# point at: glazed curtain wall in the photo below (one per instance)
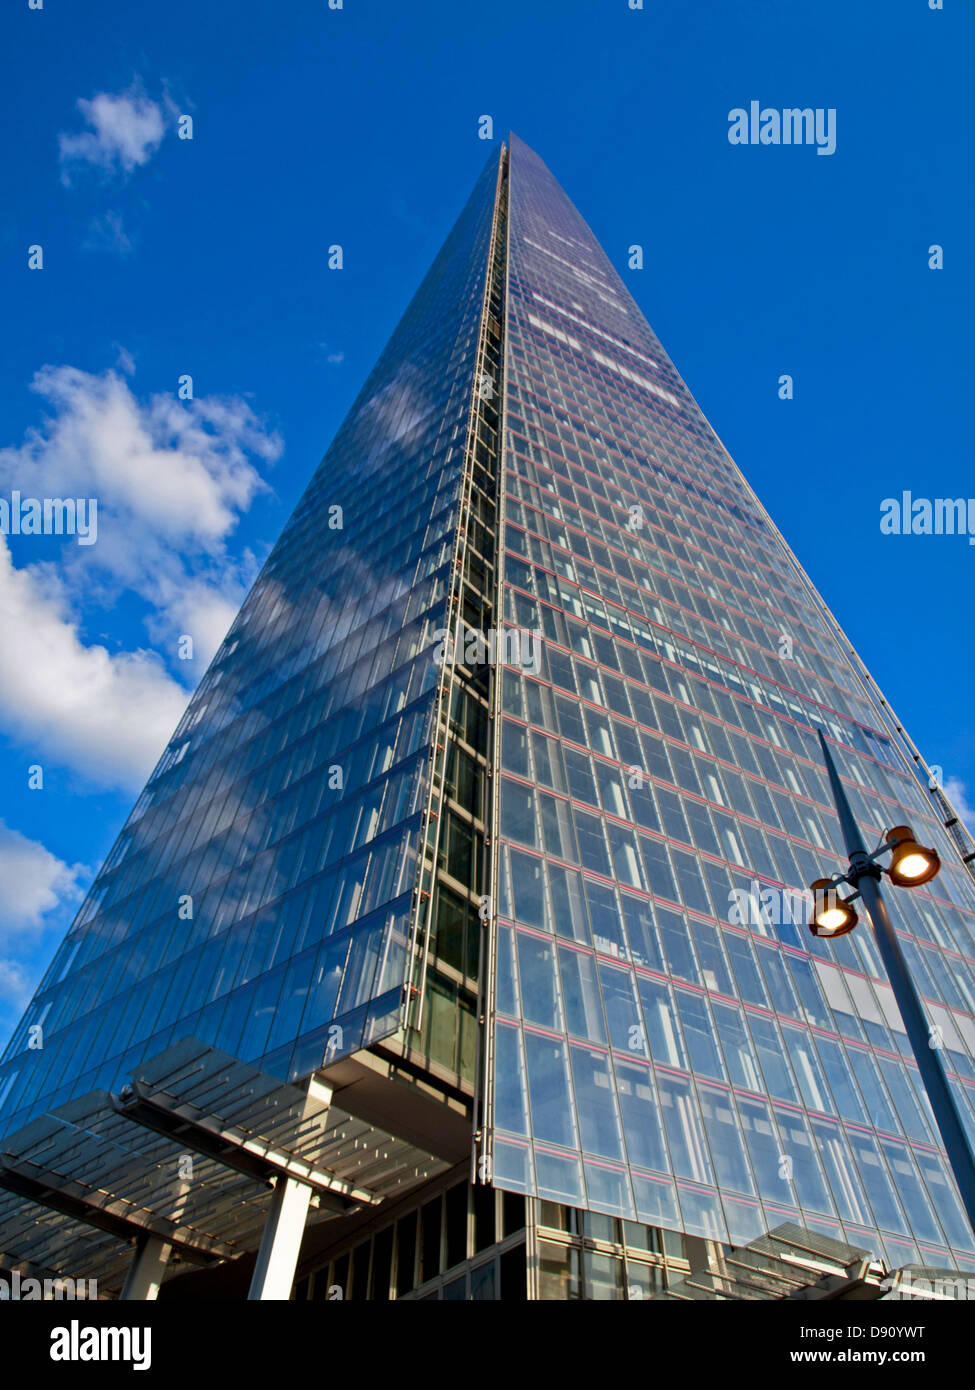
(656, 1056)
(285, 810)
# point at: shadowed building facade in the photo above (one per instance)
(459, 926)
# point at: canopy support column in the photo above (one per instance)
(277, 1257)
(147, 1269)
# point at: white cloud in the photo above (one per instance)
(957, 793)
(106, 233)
(108, 717)
(125, 130)
(171, 479)
(16, 988)
(200, 609)
(180, 467)
(40, 894)
(35, 882)
(333, 356)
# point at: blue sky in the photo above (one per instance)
(164, 257)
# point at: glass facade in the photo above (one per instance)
(457, 1241)
(670, 1045)
(564, 869)
(260, 896)
(453, 1241)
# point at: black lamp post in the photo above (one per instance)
(910, 865)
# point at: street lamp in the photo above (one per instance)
(832, 915)
(910, 864)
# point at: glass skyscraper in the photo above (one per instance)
(492, 814)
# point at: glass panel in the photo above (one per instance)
(685, 1133)
(596, 1103)
(725, 1138)
(559, 1271)
(604, 1277)
(548, 1084)
(456, 1208)
(405, 1253)
(484, 1282)
(430, 1227)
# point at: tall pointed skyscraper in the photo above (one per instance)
(466, 898)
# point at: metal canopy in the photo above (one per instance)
(110, 1178)
(239, 1116)
(795, 1263)
(33, 1239)
(188, 1152)
(788, 1263)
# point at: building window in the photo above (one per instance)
(430, 1227)
(456, 1225)
(559, 1272)
(405, 1253)
(382, 1258)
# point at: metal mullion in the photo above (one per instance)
(457, 578)
(484, 1072)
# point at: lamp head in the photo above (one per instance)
(831, 915)
(911, 864)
